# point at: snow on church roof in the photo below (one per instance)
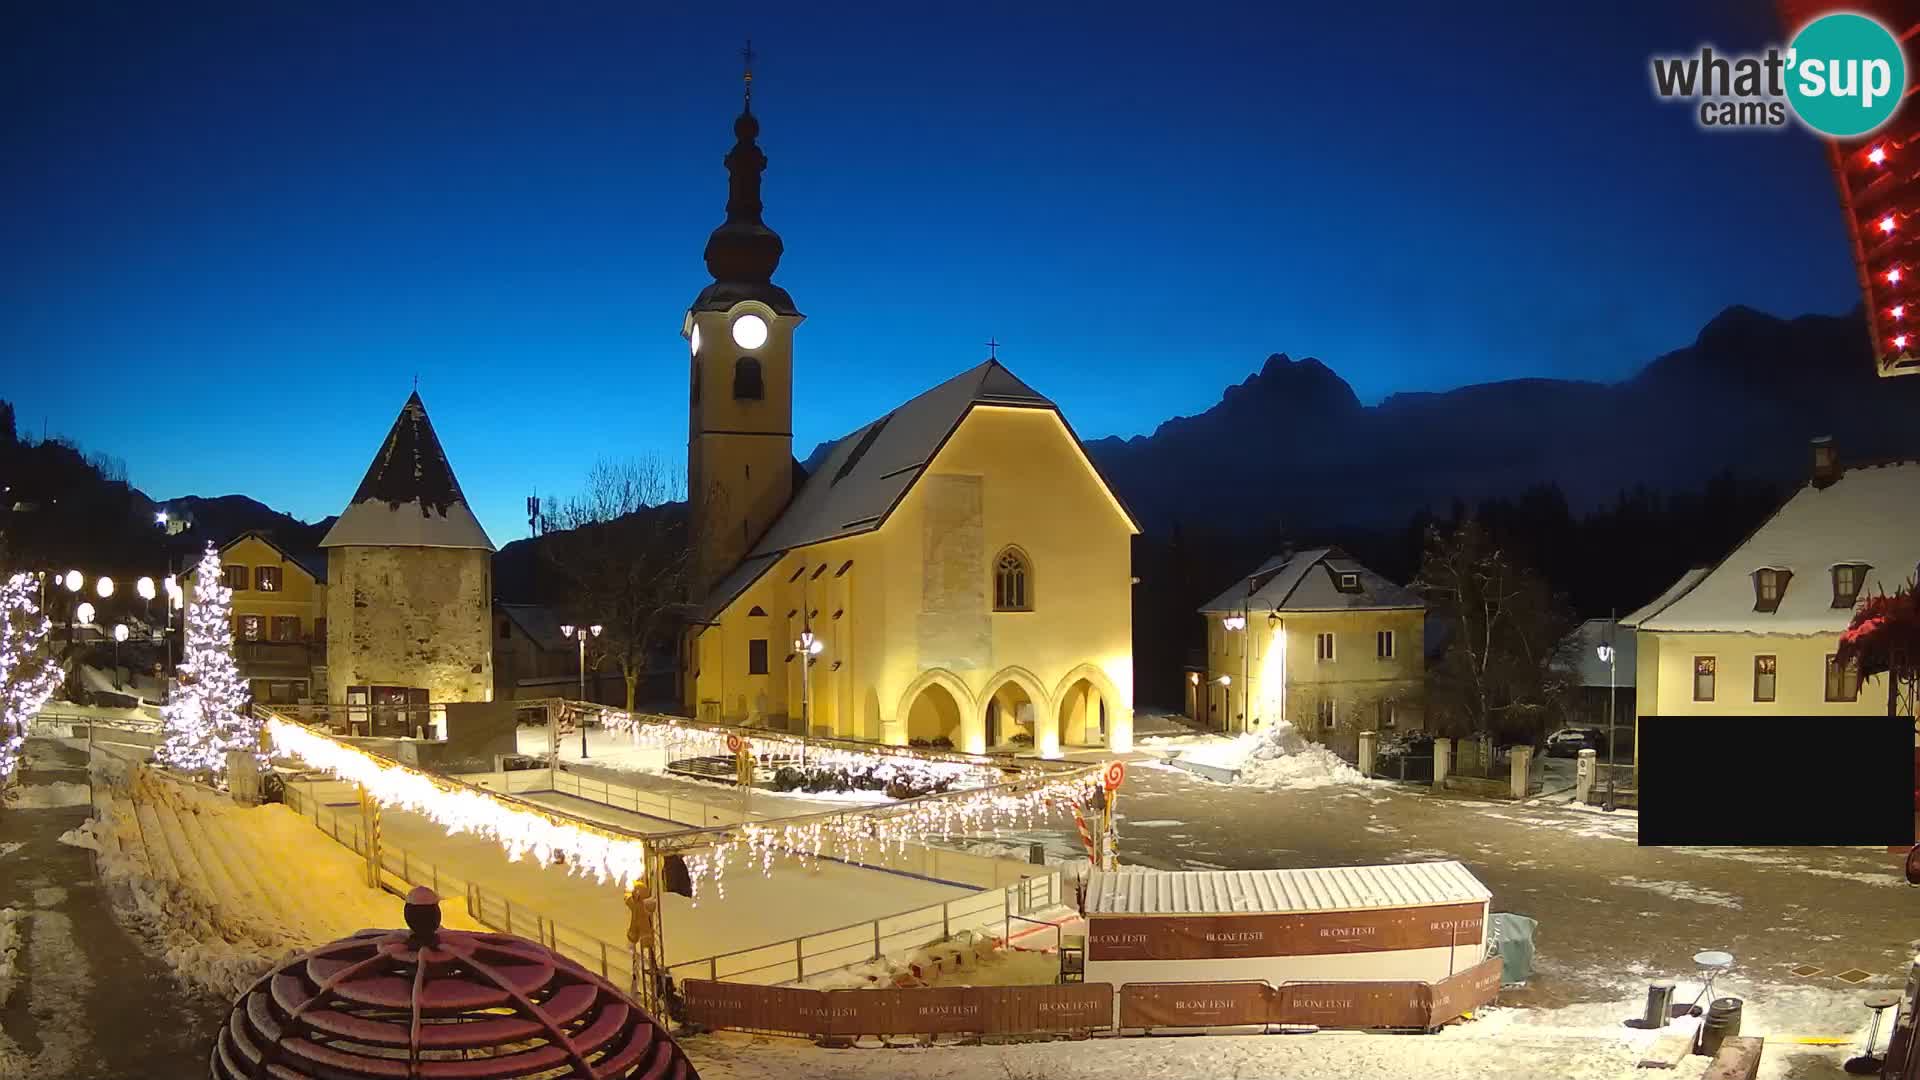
(1870, 515)
(867, 473)
(409, 497)
(1339, 888)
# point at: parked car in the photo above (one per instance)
(1569, 741)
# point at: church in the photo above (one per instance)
(954, 573)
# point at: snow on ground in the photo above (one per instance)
(969, 959)
(9, 951)
(620, 752)
(225, 891)
(1277, 757)
(44, 796)
(1681, 890)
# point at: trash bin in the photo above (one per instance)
(1511, 938)
(1722, 1023)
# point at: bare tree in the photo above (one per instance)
(620, 550)
(1507, 629)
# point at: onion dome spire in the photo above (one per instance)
(743, 252)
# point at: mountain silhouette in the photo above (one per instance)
(1293, 444)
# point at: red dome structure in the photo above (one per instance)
(439, 1004)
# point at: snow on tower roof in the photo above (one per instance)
(409, 497)
(1288, 583)
(1341, 888)
(867, 473)
(1869, 516)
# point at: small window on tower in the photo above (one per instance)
(746, 379)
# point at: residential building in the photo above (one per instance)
(1317, 639)
(533, 659)
(279, 617)
(410, 597)
(1756, 634)
(1597, 683)
(956, 571)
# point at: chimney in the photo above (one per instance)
(1826, 462)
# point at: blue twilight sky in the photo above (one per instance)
(232, 234)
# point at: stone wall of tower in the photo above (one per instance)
(410, 616)
(739, 448)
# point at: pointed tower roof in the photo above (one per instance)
(409, 497)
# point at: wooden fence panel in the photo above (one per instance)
(1464, 991)
(1219, 1004)
(1353, 1004)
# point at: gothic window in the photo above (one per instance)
(746, 379)
(1012, 581)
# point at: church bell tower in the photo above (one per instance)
(740, 468)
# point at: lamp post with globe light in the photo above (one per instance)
(1607, 657)
(580, 633)
(119, 635)
(808, 647)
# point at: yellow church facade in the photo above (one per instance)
(954, 573)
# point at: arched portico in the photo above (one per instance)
(1090, 710)
(1016, 700)
(942, 701)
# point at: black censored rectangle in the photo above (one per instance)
(1776, 781)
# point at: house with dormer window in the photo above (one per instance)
(1757, 633)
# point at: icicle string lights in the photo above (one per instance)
(459, 809)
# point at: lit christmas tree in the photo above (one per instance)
(207, 714)
(28, 674)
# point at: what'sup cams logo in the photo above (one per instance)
(1842, 75)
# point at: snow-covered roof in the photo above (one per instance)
(866, 474)
(539, 623)
(1869, 516)
(1309, 581)
(1340, 888)
(1673, 592)
(409, 497)
(1582, 658)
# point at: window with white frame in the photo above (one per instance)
(1383, 644)
(1323, 647)
(1328, 714)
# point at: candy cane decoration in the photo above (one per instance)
(1086, 835)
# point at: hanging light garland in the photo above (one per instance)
(517, 828)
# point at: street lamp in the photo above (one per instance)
(104, 587)
(580, 634)
(73, 581)
(85, 613)
(119, 635)
(1607, 657)
(808, 647)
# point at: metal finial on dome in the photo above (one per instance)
(422, 913)
(746, 63)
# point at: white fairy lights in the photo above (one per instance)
(519, 830)
(207, 713)
(28, 673)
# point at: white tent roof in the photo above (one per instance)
(1340, 888)
(1870, 515)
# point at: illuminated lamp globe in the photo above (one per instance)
(104, 587)
(693, 340)
(119, 631)
(84, 613)
(145, 588)
(430, 1002)
(1226, 680)
(73, 581)
(749, 331)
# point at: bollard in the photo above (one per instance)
(1583, 775)
(1521, 764)
(1442, 761)
(1367, 739)
(1659, 1005)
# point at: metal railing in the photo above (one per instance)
(798, 958)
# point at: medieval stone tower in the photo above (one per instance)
(410, 580)
(740, 467)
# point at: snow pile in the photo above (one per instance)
(968, 959)
(9, 951)
(46, 796)
(1277, 757)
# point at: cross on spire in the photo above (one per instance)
(993, 349)
(746, 63)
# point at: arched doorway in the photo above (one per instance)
(1083, 715)
(1011, 717)
(934, 716)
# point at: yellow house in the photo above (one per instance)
(1757, 633)
(955, 571)
(279, 618)
(1318, 639)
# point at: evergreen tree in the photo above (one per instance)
(207, 714)
(28, 673)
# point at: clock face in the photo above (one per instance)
(749, 331)
(695, 341)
